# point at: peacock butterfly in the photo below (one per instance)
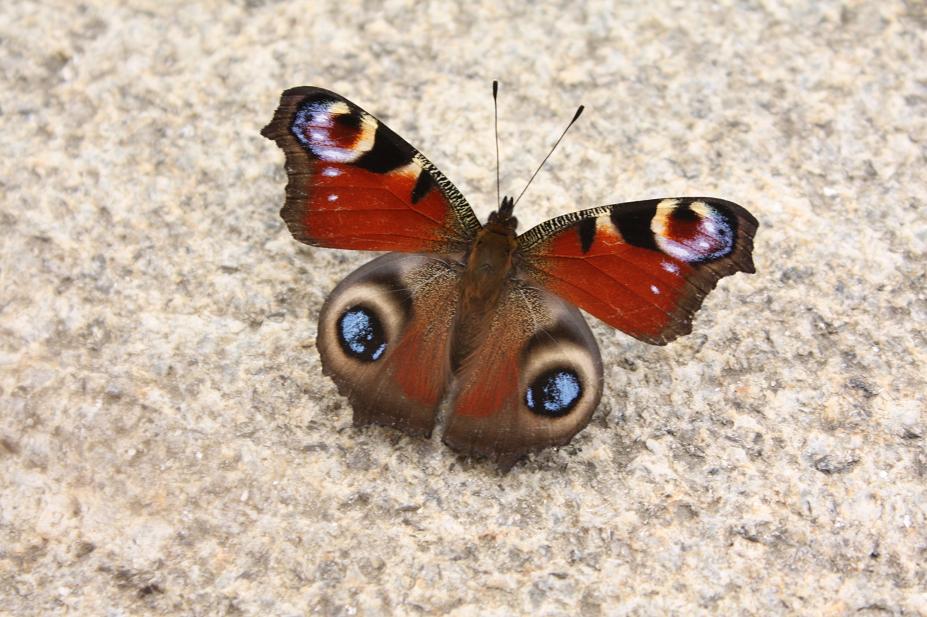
(478, 315)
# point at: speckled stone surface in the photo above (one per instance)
(168, 444)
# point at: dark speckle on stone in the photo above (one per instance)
(149, 589)
(831, 464)
(861, 385)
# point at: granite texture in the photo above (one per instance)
(168, 444)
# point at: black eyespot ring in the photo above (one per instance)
(361, 334)
(554, 393)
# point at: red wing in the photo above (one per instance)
(355, 184)
(643, 267)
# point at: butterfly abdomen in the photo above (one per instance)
(488, 269)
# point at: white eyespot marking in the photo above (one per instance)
(670, 267)
(338, 108)
(332, 197)
(411, 169)
(655, 290)
(321, 118)
(331, 172)
(702, 209)
(606, 233)
(694, 233)
(377, 301)
(334, 155)
(660, 221)
(574, 383)
(319, 129)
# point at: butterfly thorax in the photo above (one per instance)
(488, 270)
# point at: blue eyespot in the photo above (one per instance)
(554, 393)
(361, 334)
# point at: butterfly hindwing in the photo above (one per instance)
(532, 381)
(643, 267)
(355, 184)
(384, 338)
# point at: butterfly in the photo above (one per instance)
(479, 316)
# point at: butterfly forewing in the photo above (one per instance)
(355, 184)
(643, 267)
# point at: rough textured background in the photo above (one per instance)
(168, 444)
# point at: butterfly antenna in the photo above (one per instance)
(495, 111)
(557, 143)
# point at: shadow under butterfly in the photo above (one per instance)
(478, 315)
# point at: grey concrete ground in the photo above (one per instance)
(168, 444)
